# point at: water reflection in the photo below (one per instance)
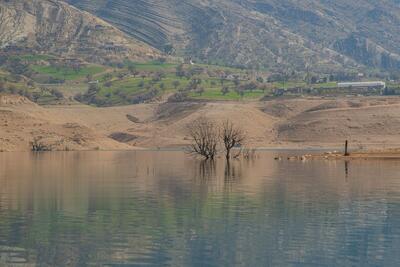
(346, 169)
(163, 208)
(206, 170)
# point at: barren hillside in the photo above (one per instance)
(362, 121)
(58, 28)
(275, 34)
(366, 122)
(22, 121)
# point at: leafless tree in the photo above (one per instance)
(231, 137)
(204, 135)
(38, 146)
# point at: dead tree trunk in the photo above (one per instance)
(231, 136)
(204, 135)
(346, 147)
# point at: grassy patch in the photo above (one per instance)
(133, 83)
(67, 73)
(129, 86)
(118, 89)
(154, 66)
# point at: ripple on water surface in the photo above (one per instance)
(166, 209)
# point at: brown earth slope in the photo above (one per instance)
(22, 121)
(58, 28)
(366, 122)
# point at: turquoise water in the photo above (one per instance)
(167, 209)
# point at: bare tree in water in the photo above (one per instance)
(231, 137)
(204, 135)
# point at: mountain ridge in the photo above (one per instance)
(56, 27)
(270, 34)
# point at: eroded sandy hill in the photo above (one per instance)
(58, 28)
(367, 122)
(22, 121)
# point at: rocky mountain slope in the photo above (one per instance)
(276, 34)
(59, 28)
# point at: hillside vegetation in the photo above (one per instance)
(51, 52)
(50, 79)
(47, 79)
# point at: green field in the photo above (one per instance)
(66, 73)
(128, 87)
(116, 88)
(137, 82)
(154, 66)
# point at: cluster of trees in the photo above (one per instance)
(144, 97)
(16, 66)
(52, 80)
(343, 76)
(29, 91)
(154, 84)
(14, 90)
(37, 94)
(188, 73)
(92, 96)
(194, 85)
(208, 137)
(391, 90)
(179, 96)
(251, 86)
(60, 65)
(126, 63)
(239, 83)
(284, 76)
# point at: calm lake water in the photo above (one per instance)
(166, 209)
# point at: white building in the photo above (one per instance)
(362, 85)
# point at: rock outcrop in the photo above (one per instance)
(59, 28)
(274, 34)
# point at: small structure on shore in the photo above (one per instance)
(346, 149)
(363, 85)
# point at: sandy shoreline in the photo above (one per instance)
(290, 152)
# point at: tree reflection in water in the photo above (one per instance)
(166, 209)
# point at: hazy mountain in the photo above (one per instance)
(284, 34)
(59, 28)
